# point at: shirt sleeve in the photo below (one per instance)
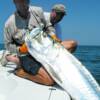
(49, 28)
(8, 41)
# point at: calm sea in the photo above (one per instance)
(89, 56)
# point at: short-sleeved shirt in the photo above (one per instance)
(57, 26)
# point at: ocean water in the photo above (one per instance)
(89, 56)
(1, 46)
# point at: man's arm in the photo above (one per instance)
(50, 28)
(8, 41)
(11, 46)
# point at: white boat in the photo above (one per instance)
(16, 88)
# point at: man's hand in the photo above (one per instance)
(56, 38)
(23, 48)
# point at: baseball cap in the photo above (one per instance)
(59, 8)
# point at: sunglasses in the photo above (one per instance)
(60, 13)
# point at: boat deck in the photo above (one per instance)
(16, 88)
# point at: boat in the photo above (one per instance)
(13, 87)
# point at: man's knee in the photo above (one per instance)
(49, 82)
(73, 43)
(70, 45)
(47, 79)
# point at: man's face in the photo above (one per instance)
(56, 17)
(22, 6)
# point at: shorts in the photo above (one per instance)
(29, 64)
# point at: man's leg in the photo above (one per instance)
(42, 77)
(33, 70)
(70, 45)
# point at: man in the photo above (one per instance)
(53, 18)
(22, 21)
(23, 49)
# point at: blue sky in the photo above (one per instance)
(82, 22)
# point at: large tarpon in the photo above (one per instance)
(63, 67)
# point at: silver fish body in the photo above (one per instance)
(63, 67)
